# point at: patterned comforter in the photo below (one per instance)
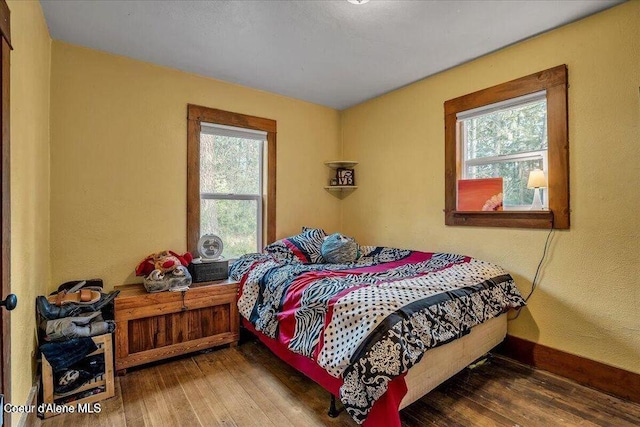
(370, 321)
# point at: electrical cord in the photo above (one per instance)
(534, 283)
(544, 255)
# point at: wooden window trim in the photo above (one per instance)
(5, 23)
(555, 82)
(195, 116)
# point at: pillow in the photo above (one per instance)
(339, 249)
(305, 247)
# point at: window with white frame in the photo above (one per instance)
(231, 186)
(494, 139)
(506, 140)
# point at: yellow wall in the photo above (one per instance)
(30, 267)
(118, 159)
(118, 132)
(589, 294)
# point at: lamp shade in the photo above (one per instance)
(537, 179)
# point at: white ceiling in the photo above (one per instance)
(332, 53)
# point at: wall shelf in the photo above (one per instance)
(340, 187)
(346, 164)
(341, 191)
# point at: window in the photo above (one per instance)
(507, 140)
(231, 186)
(229, 193)
(505, 132)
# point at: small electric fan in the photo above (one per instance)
(210, 247)
(210, 266)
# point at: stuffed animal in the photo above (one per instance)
(164, 271)
(165, 262)
(339, 249)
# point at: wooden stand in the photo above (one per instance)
(157, 326)
(106, 380)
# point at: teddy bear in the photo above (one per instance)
(165, 270)
(165, 262)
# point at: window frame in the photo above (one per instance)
(196, 115)
(555, 82)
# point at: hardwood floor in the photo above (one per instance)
(248, 386)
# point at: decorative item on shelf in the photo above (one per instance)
(210, 266)
(537, 180)
(483, 194)
(343, 183)
(345, 176)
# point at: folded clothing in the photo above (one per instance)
(63, 354)
(85, 325)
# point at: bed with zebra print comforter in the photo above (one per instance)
(370, 321)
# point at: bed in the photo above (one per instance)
(378, 333)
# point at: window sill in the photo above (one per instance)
(511, 219)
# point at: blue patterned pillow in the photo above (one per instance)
(305, 247)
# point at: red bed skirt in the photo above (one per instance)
(385, 411)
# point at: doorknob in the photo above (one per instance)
(10, 302)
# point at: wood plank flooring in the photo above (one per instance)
(248, 386)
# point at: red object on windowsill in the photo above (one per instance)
(480, 194)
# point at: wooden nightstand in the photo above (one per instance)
(151, 327)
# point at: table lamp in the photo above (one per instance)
(537, 181)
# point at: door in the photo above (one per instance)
(8, 300)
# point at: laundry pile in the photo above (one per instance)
(68, 319)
